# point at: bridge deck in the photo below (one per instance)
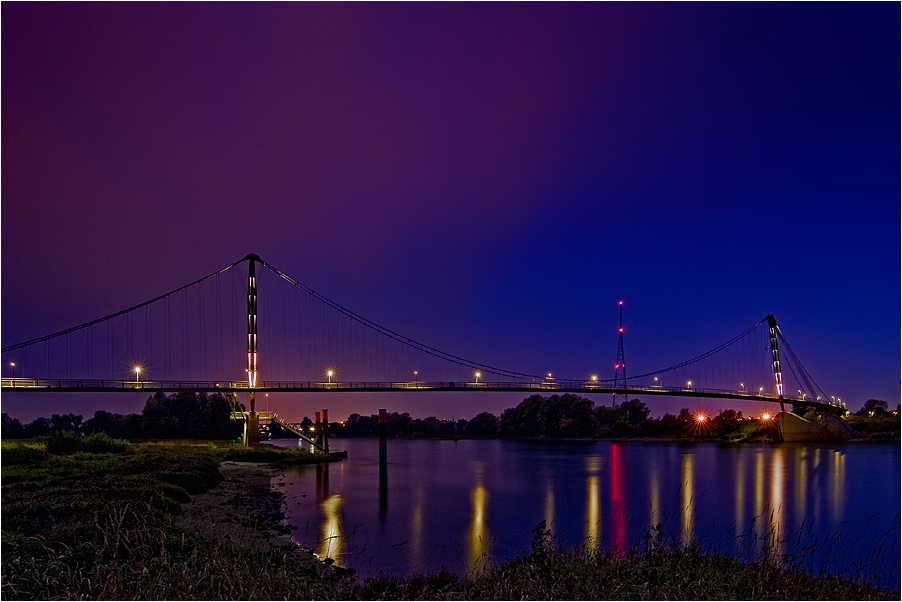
(169, 386)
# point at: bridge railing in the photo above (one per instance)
(38, 384)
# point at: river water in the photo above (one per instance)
(462, 505)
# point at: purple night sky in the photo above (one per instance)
(488, 179)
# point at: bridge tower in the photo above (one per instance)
(253, 432)
(775, 351)
(620, 366)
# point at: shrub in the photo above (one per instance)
(64, 443)
(21, 452)
(101, 443)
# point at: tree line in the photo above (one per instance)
(558, 416)
(183, 415)
(189, 415)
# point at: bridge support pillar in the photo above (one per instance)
(317, 432)
(383, 439)
(326, 431)
(383, 464)
(252, 429)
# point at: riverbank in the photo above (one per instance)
(244, 511)
(179, 521)
(101, 518)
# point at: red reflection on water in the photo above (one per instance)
(618, 507)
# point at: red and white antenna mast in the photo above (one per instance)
(620, 366)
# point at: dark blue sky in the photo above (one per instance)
(489, 179)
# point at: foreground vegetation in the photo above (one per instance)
(91, 517)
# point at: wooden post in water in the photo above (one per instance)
(317, 433)
(383, 438)
(325, 430)
(383, 464)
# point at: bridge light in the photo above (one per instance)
(594, 378)
(765, 416)
(329, 375)
(478, 374)
(760, 390)
(137, 370)
(690, 384)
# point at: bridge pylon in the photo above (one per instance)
(253, 433)
(775, 352)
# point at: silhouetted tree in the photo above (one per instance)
(877, 406)
(38, 427)
(557, 416)
(106, 422)
(65, 422)
(11, 428)
(189, 415)
(633, 411)
(482, 425)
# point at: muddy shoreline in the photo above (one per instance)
(245, 511)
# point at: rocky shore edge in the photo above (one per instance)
(244, 511)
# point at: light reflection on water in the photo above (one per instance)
(462, 504)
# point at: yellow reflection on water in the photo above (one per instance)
(549, 505)
(837, 484)
(478, 535)
(776, 501)
(687, 501)
(740, 494)
(592, 521)
(416, 528)
(655, 498)
(593, 527)
(759, 485)
(801, 480)
(330, 545)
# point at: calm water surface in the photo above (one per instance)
(459, 505)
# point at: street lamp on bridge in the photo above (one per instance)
(137, 370)
(13, 366)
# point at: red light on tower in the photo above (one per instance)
(621, 330)
(621, 303)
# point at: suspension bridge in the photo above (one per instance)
(209, 335)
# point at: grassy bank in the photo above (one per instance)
(92, 517)
(95, 520)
